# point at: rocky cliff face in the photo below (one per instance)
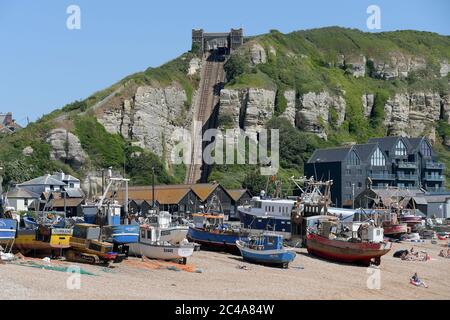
(248, 108)
(66, 147)
(150, 117)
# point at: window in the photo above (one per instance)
(348, 171)
(425, 149)
(359, 172)
(378, 159)
(71, 185)
(353, 159)
(25, 201)
(400, 149)
(359, 184)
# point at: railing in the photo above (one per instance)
(382, 176)
(434, 177)
(436, 190)
(404, 176)
(434, 165)
(407, 165)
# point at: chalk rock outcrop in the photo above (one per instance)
(27, 151)
(66, 147)
(290, 111)
(150, 117)
(194, 66)
(397, 66)
(368, 100)
(413, 114)
(257, 54)
(445, 68)
(314, 112)
(254, 106)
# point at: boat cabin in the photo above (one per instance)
(271, 207)
(266, 242)
(203, 221)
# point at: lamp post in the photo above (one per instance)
(353, 196)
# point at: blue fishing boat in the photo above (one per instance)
(266, 249)
(210, 231)
(123, 234)
(265, 213)
(8, 229)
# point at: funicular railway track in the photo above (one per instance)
(212, 76)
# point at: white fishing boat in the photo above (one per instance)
(151, 246)
(171, 233)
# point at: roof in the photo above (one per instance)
(21, 193)
(365, 151)
(330, 155)
(44, 180)
(64, 177)
(437, 198)
(163, 194)
(74, 193)
(387, 143)
(237, 194)
(70, 202)
(204, 190)
(420, 200)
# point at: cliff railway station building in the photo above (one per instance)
(383, 163)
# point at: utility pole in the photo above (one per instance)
(153, 188)
(353, 196)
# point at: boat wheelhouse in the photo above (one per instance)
(267, 214)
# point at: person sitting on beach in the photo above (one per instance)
(442, 254)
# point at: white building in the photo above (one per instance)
(21, 199)
(42, 184)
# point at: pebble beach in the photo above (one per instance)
(222, 276)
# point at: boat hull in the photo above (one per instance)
(8, 229)
(395, 230)
(280, 257)
(255, 223)
(162, 252)
(124, 234)
(222, 241)
(344, 251)
(174, 235)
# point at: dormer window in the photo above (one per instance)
(400, 149)
(378, 159)
(425, 149)
(353, 159)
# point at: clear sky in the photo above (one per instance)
(44, 65)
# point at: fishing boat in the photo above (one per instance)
(266, 249)
(210, 231)
(265, 213)
(353, 242)
(107, 214)
(170, 232)
(151, 246)
(410, 219)
(86, 246)
(8, 230)
(43, 239)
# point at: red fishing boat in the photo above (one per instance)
(392, 228)
(360, 243)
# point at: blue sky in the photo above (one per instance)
(43, 65)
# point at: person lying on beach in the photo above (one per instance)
(416, 281)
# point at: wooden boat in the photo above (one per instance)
(210, 231)
(266, 249)
(363, 243)
(44, 238)
(151, 246)
(85, 246)
(391, 226)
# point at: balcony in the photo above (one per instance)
(436, 190)
(407, 165)
(434, 177)
(405, 176)
(382, 176)
(434, 165)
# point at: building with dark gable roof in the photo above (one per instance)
(408, 163)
